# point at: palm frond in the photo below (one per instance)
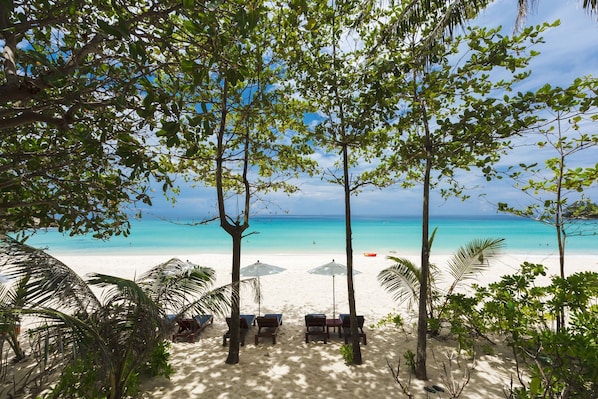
(121, 290)
(128, 314)
(216, 301)
(471, 259)
(175, 284)
(50, 282)
(65, 331)
(6, 295)
(431, 239)
(401, 279)
(436, 19)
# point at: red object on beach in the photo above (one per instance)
(370, 254)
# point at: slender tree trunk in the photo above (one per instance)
(10, 47)
(422, 321)
(356, 348)
(560, 233)
(357, 359)
(233, 350)
(235, 231)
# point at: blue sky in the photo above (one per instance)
(570, 51)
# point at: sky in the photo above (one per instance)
(570, 51)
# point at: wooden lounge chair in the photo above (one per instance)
(315, 325)
(189, 329)
(346, 320)
(246, 321)
(268, 326)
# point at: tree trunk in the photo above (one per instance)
(233, 349)
(560, 234)
(422, 321)
(357, 359)
(9, 63)
(234, 230)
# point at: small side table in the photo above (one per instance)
(333, 323)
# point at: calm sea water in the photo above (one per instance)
(317, 234)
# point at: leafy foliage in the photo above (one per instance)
(564, 130)
(581, 210)
(550, 363)
(106, 343)
(79, 95)
(241, 129)
(327, 75)
(347, 353)
(158, 361)
(12, 297)
(403, 278)
(448, 112)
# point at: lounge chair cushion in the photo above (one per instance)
(346, 325)
(189, 329)
(246, 321)
(315, 325)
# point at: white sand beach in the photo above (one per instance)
(292, 368)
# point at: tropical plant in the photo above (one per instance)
(550, 364)
(183, 289)
(107, 342)
(78, 98)
(13, 295)
(347, 353)
(325, 62)
(242, 129)
(565, 133)
(403, 278)
(443, 107)
(569, 170)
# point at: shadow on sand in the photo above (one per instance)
(292, 368)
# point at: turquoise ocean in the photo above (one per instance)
(400, 235)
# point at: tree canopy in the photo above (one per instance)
(78, 98)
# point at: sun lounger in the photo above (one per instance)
(246, 321)
(203, 321)
(268, 326)
(315, 325)
(346, 324)
(189, 329)
(277, 315)
(249, 319)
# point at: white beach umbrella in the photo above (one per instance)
(332, 269)
(259, 269)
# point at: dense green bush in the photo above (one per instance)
(550, 363)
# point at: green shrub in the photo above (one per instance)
(561, 363)
(347, 353)
(409, 357)
(394, 319)
(79, 379)
(158, 361)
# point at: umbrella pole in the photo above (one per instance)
(259, 298)
(333, 299)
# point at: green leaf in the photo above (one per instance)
(109, 29)
(188, 66)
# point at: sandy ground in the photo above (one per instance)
(292, 368)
